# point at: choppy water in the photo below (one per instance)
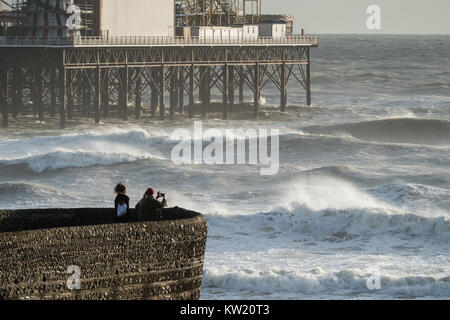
(364, 178)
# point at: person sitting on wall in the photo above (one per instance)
(150, 207)
(121, 203)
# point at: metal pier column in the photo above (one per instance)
(162, 96)
(105, 93)
(241, 85)
(191, 91)
(38, 93)
(154, 91)
(63, 97)
(225, 91)
(180, 91)
(126, 93)
(17, 92)
(308, 78)
(138, 94)
(4, 95)
(69, 92)
(256, 92)
(231, 85)
(98, 93)
(173, 92)
(52, 91)
(202, 89)
(208, 87)
(283, 99)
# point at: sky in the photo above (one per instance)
(349, 16)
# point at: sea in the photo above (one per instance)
(358, 209)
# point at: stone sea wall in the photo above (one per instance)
(134, 260)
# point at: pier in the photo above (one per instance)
(90, 75)
(122, 59)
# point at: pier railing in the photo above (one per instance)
(157, 41)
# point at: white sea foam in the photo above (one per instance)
(84, 149)
(317, 282)
(61, 159)
(327, 208)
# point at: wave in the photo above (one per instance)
(330, 209)
(23, 189)
(109, 138)
(413, 195)
(346, 224)
(317, 282)
(84, 150)
(345, 172)
(73, 159)
(415, 131)
(32, 195)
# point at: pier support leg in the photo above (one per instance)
(98, 93)
(173, 92)
(4, 96)
(17, 92)
(124, 93)
(201, 85)
(62, 109)
(225, 91)
(241, 85)
(120, 93)
(308, 78)
(138, 94)
(208, 88)
(38, 94)
(154, 91)
(257, 92)
(283, 96)
(162, 96)
(69, 92)
(86, 96)
(52, 91)
(204, 72)
(180, 91)
(231, 86)
(105, 93)
(191, 91)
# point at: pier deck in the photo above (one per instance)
(89, 75)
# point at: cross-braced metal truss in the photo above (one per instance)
(94, 81)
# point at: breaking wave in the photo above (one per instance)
(332, 209)
(415, 131)
(10, 190)
(84, 150)
(338, 224)
(73, 159)
(317, 282)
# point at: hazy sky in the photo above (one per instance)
(349, 16)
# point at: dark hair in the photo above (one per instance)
(120, 188)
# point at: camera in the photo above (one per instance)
(160, 194)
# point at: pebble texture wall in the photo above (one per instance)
(134, 260)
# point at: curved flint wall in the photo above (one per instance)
(136, 260)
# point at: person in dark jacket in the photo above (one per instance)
(122, 200)
(149, 207)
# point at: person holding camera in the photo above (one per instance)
(149, 206)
